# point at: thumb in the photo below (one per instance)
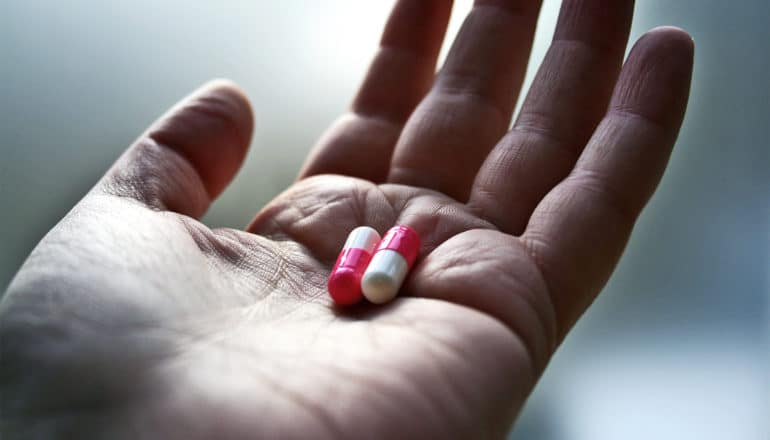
(187, 157)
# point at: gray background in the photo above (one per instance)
(677, 345)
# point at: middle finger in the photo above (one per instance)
(567, 100)
(469, 107)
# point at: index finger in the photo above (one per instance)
(360, 143)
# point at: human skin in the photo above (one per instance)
(131, 319)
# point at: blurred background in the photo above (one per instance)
(678, 344)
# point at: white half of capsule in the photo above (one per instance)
(384, 276)
(362, 237)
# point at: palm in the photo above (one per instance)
(150, 323)
(404, 369)
(224, 339)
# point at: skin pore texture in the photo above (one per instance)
(131, 319)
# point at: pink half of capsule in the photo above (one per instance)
(345, 279)
(390, 264)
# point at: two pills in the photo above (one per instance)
(371, 267)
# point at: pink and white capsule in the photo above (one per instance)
(345, 279)
(391, 262)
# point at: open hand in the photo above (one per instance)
(132, 319)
